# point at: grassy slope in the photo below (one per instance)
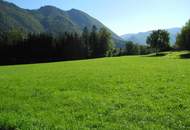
(109, 93)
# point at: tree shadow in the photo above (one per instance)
(7, 127)
(185, 56)
(157, 55)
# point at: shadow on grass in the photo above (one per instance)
(185, 56)
(158, 55)
(7, 127)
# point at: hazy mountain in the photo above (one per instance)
(46, 19)
(140, 37)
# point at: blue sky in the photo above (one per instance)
(124, 16)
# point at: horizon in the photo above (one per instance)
(175, 13)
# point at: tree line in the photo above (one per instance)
(17, 47)
(183, 38)
(158, 41)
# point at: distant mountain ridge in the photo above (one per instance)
(47, 19)
(140, 37)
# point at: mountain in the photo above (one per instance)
(47, 19)
(140, 37)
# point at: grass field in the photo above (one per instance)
(135, 92)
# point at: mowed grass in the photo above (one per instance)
(135, 92)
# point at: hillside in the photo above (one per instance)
(47, 19)
(141, 36)
(142, 92)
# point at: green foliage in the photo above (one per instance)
(44, 47)
(93, 41)
(159, 40)
(131, 48)
(183, 38)
(105, 42)
(86, 42)
(12, 16)
(47, 19)
(100, 42)
(141, 37)
(135, 49)
(143, 50)
(105, 94)
(14, 36)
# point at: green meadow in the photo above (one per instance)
(130, 92)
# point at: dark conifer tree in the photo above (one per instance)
(86, 42)
(93, 42)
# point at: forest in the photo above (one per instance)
(18, 47)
